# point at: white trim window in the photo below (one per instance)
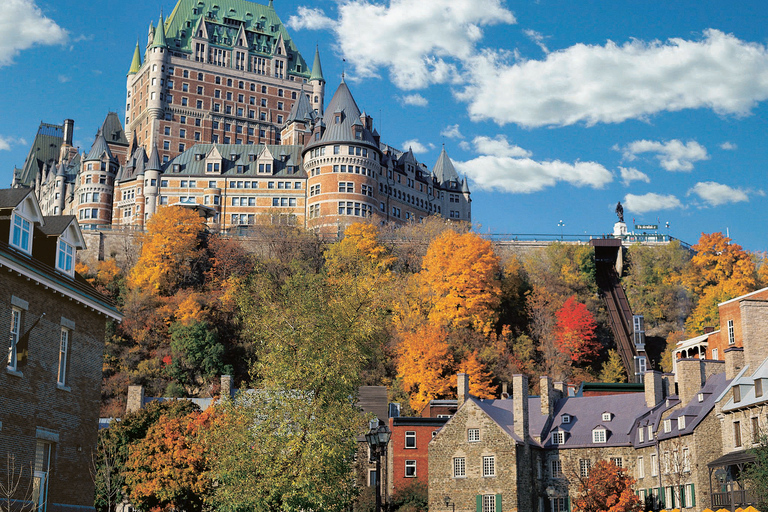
(459, 467)
(731, 333)
(654, 465)
(63, 357)
(585, 465)
(473, 435)
(489, 465)
(65, 258)
(640, 467)
(489, 503)
(598, 435)
(410, 439)
(558, 437)
(13, 356)
(21, 233)
(410, 469)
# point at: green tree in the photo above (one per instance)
(197, 354)
(613, 368)
(756, 474)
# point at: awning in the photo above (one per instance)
(731, 459)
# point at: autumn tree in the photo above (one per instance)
(425, 364)
(170, 251)
(608, 488)
(575, 332)
(460, 279)
(167, 470)
(613, 368)
(480, 380)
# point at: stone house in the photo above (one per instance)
(49, 387)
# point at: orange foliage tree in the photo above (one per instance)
(480, 379)
(167, 470)
(460, 280)
(575, 332)
(170, 249)
(425, 364)
(608, 488)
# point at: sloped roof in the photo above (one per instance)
(99, 148)
(153, 164)
(159, 40)
(301, 110)
(343, 105)
(113, 131)
(501, 412)
(444, 170)
(12, 197)
(136, 62)
(45, 150)
(317, 69)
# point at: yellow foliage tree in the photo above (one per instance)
(360, 244)
(460, 281)
(425, 364)
(170, 246)
(480, 379)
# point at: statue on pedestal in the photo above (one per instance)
(620, 211)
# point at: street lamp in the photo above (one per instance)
(449, 503)
(561, 224)
(378, 439)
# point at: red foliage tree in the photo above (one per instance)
(575, 332)
(608, 488)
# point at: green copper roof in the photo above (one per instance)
(222, 19)
(159, 41)
(136, 62)
(317, 69)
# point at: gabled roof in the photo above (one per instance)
(12, 197)
(57, 225)
(153, 164)
(99, 148)
(444, 170)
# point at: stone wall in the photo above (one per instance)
(754, 329)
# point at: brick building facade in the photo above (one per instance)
(49, 388)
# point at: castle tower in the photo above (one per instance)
(342, 163)
(456, 202)
(151, 183)
(135, 68)
(96, 185)
(156, 58)
(318, 85)
(300, 122)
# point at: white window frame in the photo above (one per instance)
(585, 466)
(410, 469)
(686, 460)
(473, 435)
(489, 466)
(731, 333)
(667, 426)
(13, 355)
(599, 435)
(640, 467)
(681, 423)
(65, 258)
(654, 465)
(21, 233)
(641, 434)
(607, 416)
(410, 436)
(566, 418)
(617, 461)
(489, 503)
(558, 437)
(556, 468)
(459, 467)
(64, 346)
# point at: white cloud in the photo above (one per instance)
(452, 132)
(23, 25)
(628, 175)
(728, 146)
(418, 42)
(311, 19)
(536, 38)
(417, 147)
(64, 79)
(417, 100)
(612, 83)
(7, 142)
(672, 155)
(650, 202)
(716, 194)
(499, 146)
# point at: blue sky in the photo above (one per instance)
(554, 109)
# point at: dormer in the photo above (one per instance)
(565, 418)
(62, 238)
(266, 161)
(25, 213)
(241, 40)
(213, 161)
(607, 416)
(559, 435)
(599, 434)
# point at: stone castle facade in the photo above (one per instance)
(224, 115)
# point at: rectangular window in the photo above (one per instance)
(736, 434)
(65, 258)
(556, 469)
(489, 503)
(640, 434)
(584, 466)
(489, 466)
(410, 468)
(686, 460)
(654, 465)
(640, 468)
(22, 232)
(558, 437)
(598, 436)
(473, 435)
(731, 334)
(618, 462)
(459, 467)
(755, 430)
(63, 351)
(410, 439)
(14, 340)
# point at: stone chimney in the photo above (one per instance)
(654, 392)
(708, 330)
(504, 391)
(560, 386)
(520, 406)
(712, 367)
(754, 331)
(690, 378)
(226, 386)
(69, 127)
(462, 388)
(546, 392)
(135, 399)
(734, 361)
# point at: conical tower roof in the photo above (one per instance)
(317, 69)
(154, 160)
(136, 62)
(302, 110)
(465, 186)
(444, 170)
(99, 148)
(159, 41)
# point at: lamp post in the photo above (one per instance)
(449, 503)
(561, 224)
(378, 439)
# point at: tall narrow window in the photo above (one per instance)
(640, 468)
(489, 466)
(410, 439)
(63, 352)
(14, 339)
(21, 233)
(65, 259)
(459, 467)
(489, 503)
(585, 465)
(731, 334)
(736, 434)
(41, 474)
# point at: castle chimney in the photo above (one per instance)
(520, 406)
(462, 388)
(69, 128)
(135, 399)
(654, 392)
(546, 392)
(690, 378)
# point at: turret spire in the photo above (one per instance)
(317, 69)
(136, 62)
(159, 41)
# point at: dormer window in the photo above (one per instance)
(736, 394)
(337, 118)
(701, 397)
(21, 234)
(607, 416)
(65, 258)
(566, 418)
(599, 435)
(558, 437)
(681, 423)
(212, 167)
(667, 426)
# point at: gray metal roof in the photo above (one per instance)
(113, 131)
(302, 110)
(189, 164)
(56, 224)
(45, 150)
(340, 116)
(99, 148)
(153, 164)
(444, 170)
(500, 411)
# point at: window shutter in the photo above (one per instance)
(693, 496)
(498, 503)
(568, 503)
(479, 500)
